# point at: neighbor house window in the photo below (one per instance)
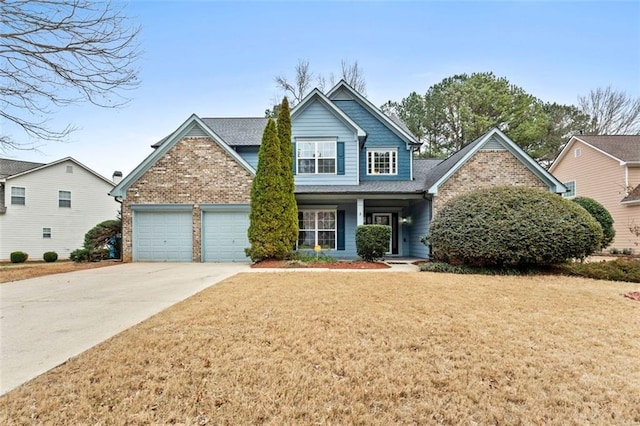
(382, 162)
(18, 195)
(317, 227)
(316, 157)
(64, 198)
(571, 189)
(46, 232)
(69, 169)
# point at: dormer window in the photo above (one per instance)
(316, 157)
(382, 162)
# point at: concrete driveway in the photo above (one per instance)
(47, 320)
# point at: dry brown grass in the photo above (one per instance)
(360, 348)
(22, 271)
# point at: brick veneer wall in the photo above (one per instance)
(484, 170)
(195, 171)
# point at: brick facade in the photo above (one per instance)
(194, 171)
(486, 169)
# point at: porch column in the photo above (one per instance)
(360, 217)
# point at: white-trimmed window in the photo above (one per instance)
(578, 152)
(317, 227)
(46, 232)
(64, 198)
(18, 195)
(571, 189)
(316, 157)
(382, 162)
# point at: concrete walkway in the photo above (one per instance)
(47, 320)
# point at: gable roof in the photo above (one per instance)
(41, 166)
(13, 167)
(169, 142)
(399, 129)
(317, 96)
(622, 148)
(234, 131)
(443, 171)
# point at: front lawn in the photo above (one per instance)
(365, 348)
(21, 271)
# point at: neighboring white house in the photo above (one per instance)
(50, 207)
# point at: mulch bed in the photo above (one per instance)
(336, 265)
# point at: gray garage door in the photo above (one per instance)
(162, 236)
(224, 236)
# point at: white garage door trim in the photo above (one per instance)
(162, 233)
(224, 232)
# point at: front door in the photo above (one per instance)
(384, 219)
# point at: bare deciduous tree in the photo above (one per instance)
(297, 88)
(55, 53)
(612, 112)
(300, 86)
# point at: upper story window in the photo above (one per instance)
(316, 157)
(382, 162)
(578, 152)
(64, 198)
(18, 195)
(571, 189)
(69, 169)
(46, 232)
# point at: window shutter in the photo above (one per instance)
(340, 146)
(340, 242)
(295, 156)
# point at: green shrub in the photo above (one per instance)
(614, 270)
(372, 241)
(80, 255)
(18, 257)
(600, 214)
(50, 256)
(614, 251)
(627, 251)
(512, 226)
(101, 234)
(312, 257)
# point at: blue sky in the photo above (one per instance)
(218, 59)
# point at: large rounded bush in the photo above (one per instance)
(514, 226)
(600, 214)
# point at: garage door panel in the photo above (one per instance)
(225, 236)
(163, 236)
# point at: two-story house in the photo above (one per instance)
(607, 169)
(50, 207)
(189, 199)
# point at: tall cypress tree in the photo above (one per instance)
(265, 233)
(289, 220)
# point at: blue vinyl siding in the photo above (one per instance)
(249, 154)
(316, 121)
(420, 218)
(378, 136)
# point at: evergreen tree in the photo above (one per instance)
(267, 201)
(289, 220)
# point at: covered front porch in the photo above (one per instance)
(330, 221)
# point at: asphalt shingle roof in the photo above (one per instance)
(623, 147)
(234, 131)
(13, 167)
(633, 195)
